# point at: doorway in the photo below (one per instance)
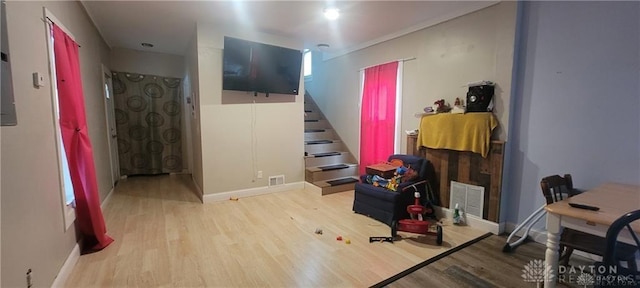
(112, 134)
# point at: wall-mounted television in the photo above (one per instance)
(262, 68)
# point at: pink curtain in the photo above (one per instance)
(378, 115)
(77, 144)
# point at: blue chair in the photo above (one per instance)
(389, 206)
(609, 272)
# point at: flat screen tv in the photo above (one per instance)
(237, 65)
(257, 67)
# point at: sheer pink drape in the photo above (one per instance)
(77, 144)
(378, 115)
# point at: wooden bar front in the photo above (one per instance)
(466, 167)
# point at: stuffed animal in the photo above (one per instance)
(441, 106)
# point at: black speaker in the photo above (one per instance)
(479, 98)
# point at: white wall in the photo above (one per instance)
(192, 89)
(240, 139)
(473, 47)
(151, 63)
(33, 232)
(577, 99)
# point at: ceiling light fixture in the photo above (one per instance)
(145, 44)
(323, 47)
(331, 13)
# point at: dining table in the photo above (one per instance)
(612, 200)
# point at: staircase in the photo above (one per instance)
(328, 163)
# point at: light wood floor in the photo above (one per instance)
(164, 237)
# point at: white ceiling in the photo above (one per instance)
(170, 25)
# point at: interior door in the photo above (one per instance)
(112, 134)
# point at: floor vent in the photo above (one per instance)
(276, 180)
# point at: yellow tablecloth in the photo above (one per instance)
(461, 132)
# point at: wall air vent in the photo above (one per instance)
(470, 198)
(276, 180)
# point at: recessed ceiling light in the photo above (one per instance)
(331, 13)
(145, 44)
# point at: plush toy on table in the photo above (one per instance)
(441, 106)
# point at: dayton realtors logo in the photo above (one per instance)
(537, 271)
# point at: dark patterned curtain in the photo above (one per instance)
(148, 112)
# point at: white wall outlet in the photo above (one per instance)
(260, 174)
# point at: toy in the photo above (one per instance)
(441, 106)
(339, 238)
(380, 239)
(347, 241)
(458, 107)
(318, 231)
(401, 174)
(417, 224)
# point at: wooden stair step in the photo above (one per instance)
(318, 142)
(316, 124)
(342, 181)
(335, 145)
(326, 188)
(325, 154)
(333, 167)
(314, 130)
(343, 157)
(327, 134)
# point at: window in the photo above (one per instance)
(306, 57)
(68, 198)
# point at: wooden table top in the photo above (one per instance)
(613, 199)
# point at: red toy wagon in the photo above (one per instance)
(417, 224)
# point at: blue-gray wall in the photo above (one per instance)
(576, 102)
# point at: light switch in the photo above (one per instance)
(38, 80)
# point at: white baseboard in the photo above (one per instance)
(540, 236)
(195, 184)
(472, 221)
(67, 267)
(208, 198)
(536, 235)
(179, 173)
(107, 199)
